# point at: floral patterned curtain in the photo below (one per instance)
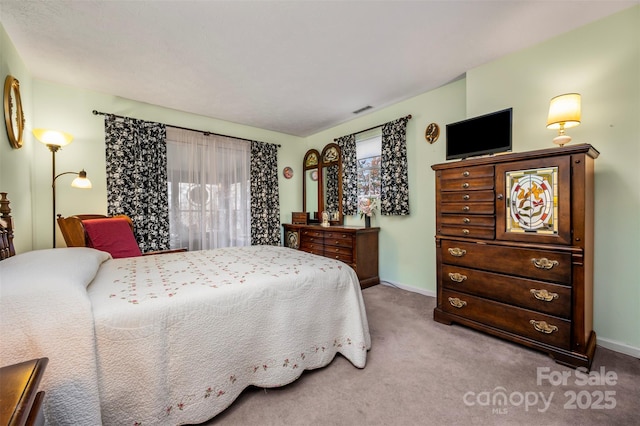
(265, 201)
(394, 192)
(136, 157)
(347, 145)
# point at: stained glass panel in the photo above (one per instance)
(532, 201)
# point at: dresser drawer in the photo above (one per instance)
(484, 233)
(468, 208)
(311, 247)
(540, 296)
(539, 264)
(343, 254)
(468, 220)
(340, 239)
(311, 233)
(467, 173)
(467, 184)
(534, 325)
(470, 196)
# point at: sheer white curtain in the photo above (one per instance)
(209, 191)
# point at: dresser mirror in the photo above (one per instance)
(310, 190)
(322, 184)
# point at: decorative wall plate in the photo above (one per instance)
(13, 114)
(287, 172)
(432, 133)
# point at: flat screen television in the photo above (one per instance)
(485, 134)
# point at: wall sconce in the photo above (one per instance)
(54, 140)
(564, 112)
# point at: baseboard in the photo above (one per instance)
(619, 347)
(409, 288)
(605, 343)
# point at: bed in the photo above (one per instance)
(174, 338)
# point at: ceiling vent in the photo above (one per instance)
(358, 111)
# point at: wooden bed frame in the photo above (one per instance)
(6, 228)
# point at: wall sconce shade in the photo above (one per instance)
(564, 113)
(53, 138)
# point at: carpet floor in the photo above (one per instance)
(420, 372)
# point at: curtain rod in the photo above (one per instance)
(206, 133)
(408, 117)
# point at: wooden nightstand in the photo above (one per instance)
(20, 401)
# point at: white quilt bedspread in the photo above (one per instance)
(179, 336)
(45, 312)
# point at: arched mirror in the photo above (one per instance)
(322, 184)
(331, 183)
(310, 190)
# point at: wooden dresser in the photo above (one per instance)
(356, 246)
(20, 401)
(514, 240)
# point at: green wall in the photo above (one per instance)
(601, 61)
(16, 167)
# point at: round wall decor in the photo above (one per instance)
(432, 133)
(13, 114)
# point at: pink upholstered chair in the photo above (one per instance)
(111, 234)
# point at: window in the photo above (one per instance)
(209, 191)
(368, 152)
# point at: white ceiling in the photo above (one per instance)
(296, 67)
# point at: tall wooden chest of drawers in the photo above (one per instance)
(514, 248)
(353, 245)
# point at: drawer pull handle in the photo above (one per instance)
(544, 263)
(457, 303)
(465, 185)
(455, 276)
(466, 173)
(466, 208)
(465, 231)
(466, 196)
(543, 295)
(457, 252)
(543, 327)
(466, 220)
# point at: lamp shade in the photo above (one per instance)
(564, 111)
(81, 181)
(52, 137)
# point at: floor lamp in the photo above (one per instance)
(54, 140)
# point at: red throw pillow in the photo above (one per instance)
(112, 235)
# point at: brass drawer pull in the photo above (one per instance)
(543, 327)
(457, 277)
(466, 173)
(457, 252)
(466, 196)
(544, 263)
(543, 295)
(466, 208)
(466, 220)
(465, 231)
(465, 185)
(457, 303)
